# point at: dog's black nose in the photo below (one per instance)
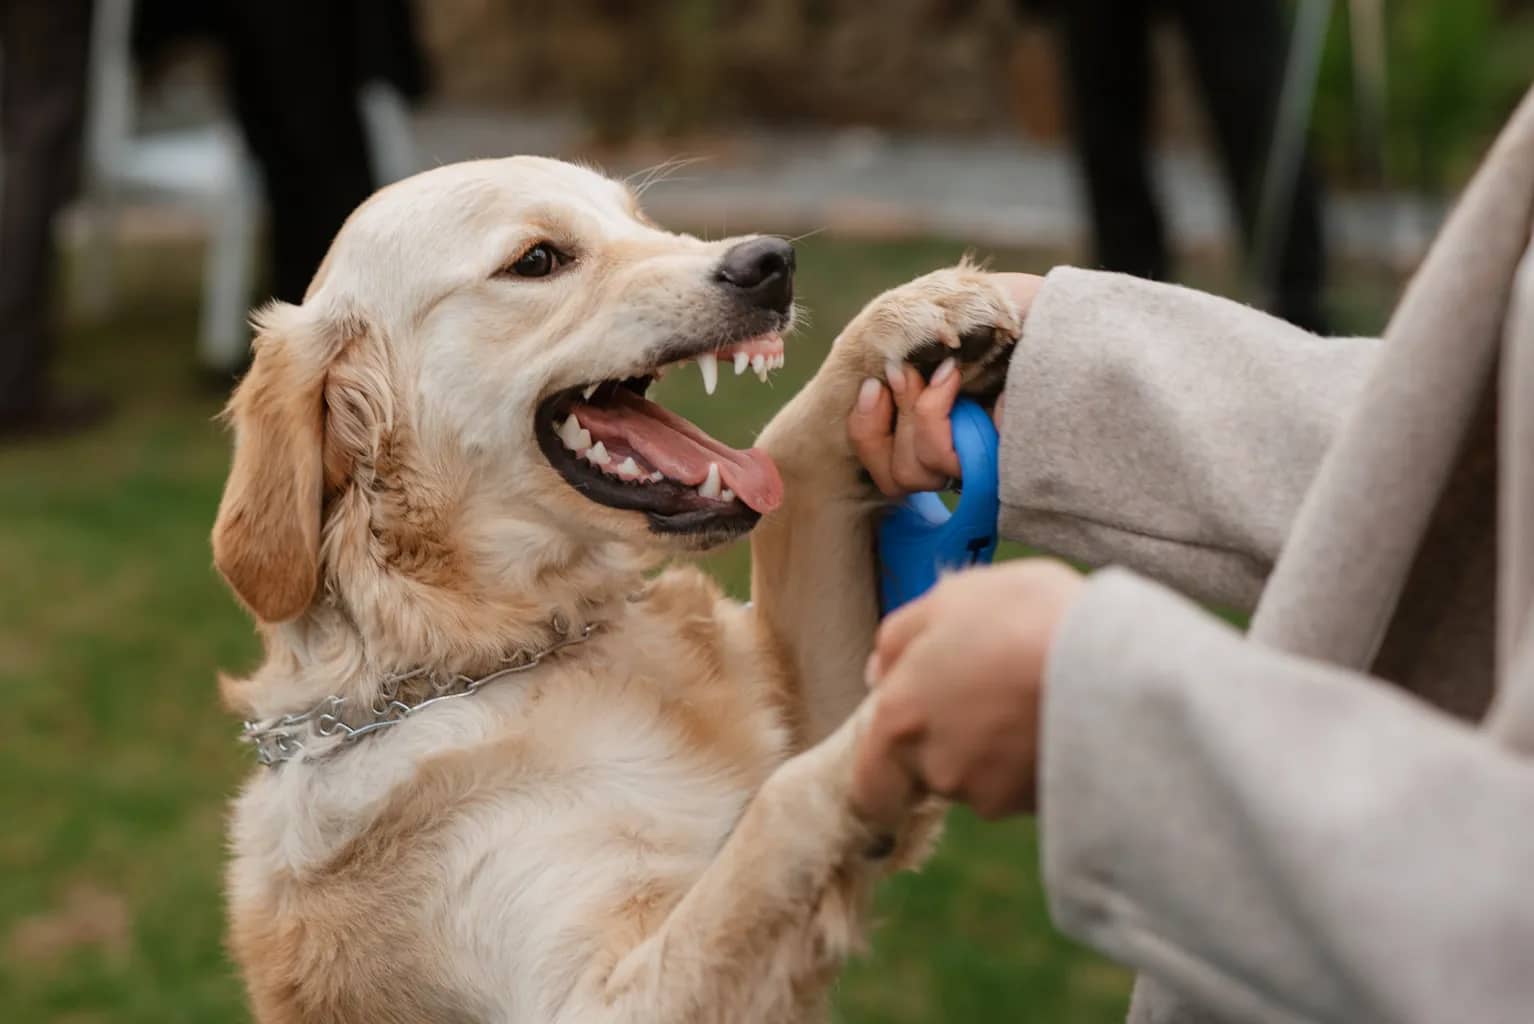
(763, 270)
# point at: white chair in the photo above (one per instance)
(205, 168)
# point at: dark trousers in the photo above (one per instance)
(43, 50)
(295, 82)
(295, 73)
(1238, 51)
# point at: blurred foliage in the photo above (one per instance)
(667, 67)
(1455, 69)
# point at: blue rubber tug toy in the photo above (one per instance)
(919, 539)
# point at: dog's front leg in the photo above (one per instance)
(812, 560)
(814, 577)
(761, 933)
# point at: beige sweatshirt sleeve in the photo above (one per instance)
(1182, 831)
(1166, 430)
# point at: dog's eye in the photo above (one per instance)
(539, 261)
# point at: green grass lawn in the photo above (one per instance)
(116, 759)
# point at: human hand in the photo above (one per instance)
(916, 452)
(958, 681)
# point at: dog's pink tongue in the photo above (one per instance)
(681, 451)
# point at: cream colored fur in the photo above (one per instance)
(651, 827)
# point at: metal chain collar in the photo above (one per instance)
(281, 738)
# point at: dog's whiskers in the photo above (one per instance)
(801, 237)
(658, 173)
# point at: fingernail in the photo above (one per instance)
(868, 394)
(895, 374)
(871, 670)
(944, 370)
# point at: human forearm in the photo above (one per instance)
(1166, 429)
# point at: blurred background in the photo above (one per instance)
(167, 164)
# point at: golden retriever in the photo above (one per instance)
(514, 775)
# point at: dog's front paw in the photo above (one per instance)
(892, 845)
(959, 311)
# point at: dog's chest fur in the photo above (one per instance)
(480, 860)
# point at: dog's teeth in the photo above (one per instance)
(742, 360)
(708, 365)
(628, 468)
(710, 487)
(759, 366)
(657, 476)
(726, 495)
(591, 389)
(573, 435)
(598, 454)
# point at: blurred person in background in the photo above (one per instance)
(43, 50)
(295, 71)
(1238, 55)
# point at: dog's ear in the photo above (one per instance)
(266, 540)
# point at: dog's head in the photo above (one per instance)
(462, 390)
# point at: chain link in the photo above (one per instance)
(282, 738)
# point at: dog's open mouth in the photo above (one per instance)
(620, 449)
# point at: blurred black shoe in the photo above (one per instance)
(59, 415)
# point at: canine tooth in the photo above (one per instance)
(628, 467)
(591, 389)
(708, 365)
(759, 366)
(709, 488)
(575, 437)
(726, 495)
(598, 454)
(742, 360)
